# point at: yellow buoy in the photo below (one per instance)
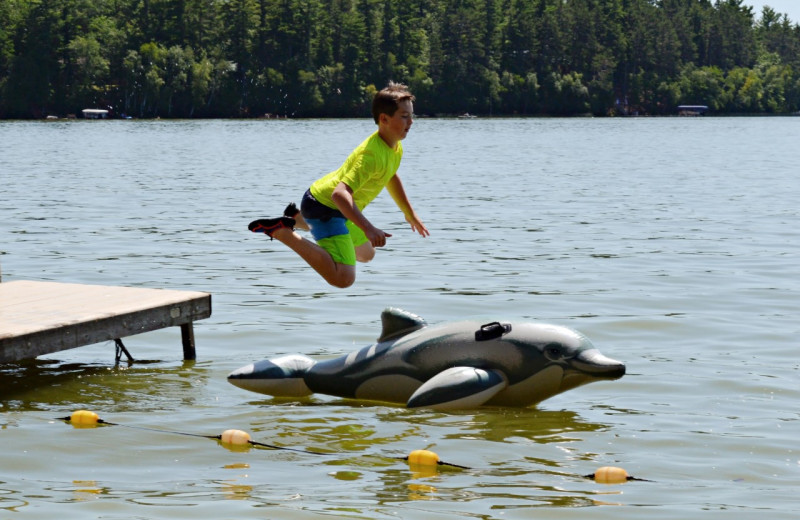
(610, 475)
(423, 458)
(235, 437)
(84, 418)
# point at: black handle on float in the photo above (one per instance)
(492, 330)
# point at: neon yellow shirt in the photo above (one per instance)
(366, 171)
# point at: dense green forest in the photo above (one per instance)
(325, 58)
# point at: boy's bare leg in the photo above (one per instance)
(291, 211)
(365, 252)
(336, 274)
(300, 222)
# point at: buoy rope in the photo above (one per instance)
(442, 463)
(438, 463)
(623, 476)
(212, 437)
(89, 419)
(428, 458)
(417, 458)
(591, 476)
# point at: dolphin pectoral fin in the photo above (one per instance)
(458, 388)
(280, 377)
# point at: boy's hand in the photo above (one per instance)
(376, 236)
(417, 225)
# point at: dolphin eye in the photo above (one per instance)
(552, 352)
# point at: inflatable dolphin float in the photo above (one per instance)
(456, 365)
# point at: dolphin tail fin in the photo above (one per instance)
(397, 323)
(458, 388)
(279, 377)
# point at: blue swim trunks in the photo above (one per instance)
(331, 230)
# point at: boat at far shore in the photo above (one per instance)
(94, 113)
(692, 110)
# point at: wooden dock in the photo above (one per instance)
(38, 318)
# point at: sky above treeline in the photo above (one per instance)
(787, 7)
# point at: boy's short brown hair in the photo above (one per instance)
(388, 100)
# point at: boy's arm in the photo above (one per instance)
(342, 196)
(395, 189)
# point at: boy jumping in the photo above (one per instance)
(332, 207)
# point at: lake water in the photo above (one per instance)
(672, 243)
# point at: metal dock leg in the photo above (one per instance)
(187, 336)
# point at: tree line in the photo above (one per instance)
(326, 58)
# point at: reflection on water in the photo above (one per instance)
(44, 384)
(503, 425)
(341, 426)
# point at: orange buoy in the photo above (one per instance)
(611, 475)
(235, 437)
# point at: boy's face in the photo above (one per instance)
(397, 126)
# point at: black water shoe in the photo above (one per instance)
(271, 225)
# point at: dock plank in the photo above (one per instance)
(38, 318)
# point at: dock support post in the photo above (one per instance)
(187, 336)
(122, 350)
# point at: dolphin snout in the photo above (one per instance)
(593, 363)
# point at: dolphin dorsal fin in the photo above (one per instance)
(397, 322)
